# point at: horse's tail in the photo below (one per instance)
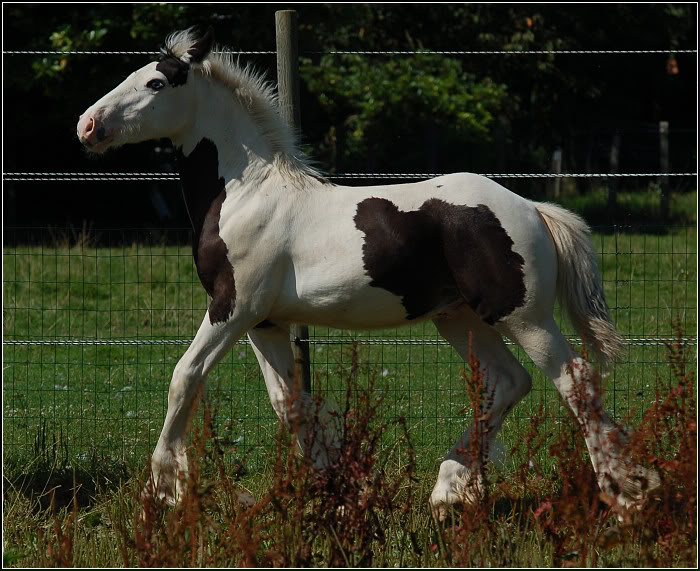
(579, 285)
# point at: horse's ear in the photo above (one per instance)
(201, 48)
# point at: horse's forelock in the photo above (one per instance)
(177, 43)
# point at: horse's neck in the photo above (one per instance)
(238, 142)
(222, 150)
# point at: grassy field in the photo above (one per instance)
(111, 399)
(97, 409)
(369, 510)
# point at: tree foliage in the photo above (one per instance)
(405, 97)
(418, 113)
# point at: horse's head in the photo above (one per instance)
(151, 103)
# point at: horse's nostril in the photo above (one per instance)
(88, 127)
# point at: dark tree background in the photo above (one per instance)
(426, 113)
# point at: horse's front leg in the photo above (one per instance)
(212, 342)
(316, 423)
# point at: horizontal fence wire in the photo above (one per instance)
(24, 177)
(118, 52)
(369, 52)
(632, 341)
(94, 324)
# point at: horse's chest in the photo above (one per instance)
(213, 266)
(204, 193)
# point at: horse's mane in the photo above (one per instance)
(257, 95)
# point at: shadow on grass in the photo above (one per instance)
(41, 479)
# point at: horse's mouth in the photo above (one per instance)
(99, 146)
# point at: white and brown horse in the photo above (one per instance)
(275, 243)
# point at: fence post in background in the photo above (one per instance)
(501, 136)
(286, 32)
(556, 169)
(664, 168)
(614, 169)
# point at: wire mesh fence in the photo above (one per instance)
(94, 324)
(74, 177)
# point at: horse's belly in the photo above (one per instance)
(353, 305)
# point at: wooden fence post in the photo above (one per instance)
(556, 169)
(612, 181)
(664, 166)
(286, 32)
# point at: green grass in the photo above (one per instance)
(92, 410)
(91, 414)
(641, 207)
(530, 519)
(110, 401)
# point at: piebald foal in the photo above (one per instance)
(275, 243)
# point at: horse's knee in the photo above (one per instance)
(523, 382)
(185, 376)
(290, 409)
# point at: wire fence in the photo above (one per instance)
(92, 334)
(367, 52)
(115, 176)
(93, 326)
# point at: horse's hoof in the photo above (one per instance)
(245, 499)
(638, 485)
(445, 512)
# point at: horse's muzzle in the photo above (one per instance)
(91, 131)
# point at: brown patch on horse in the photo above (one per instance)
(204, 192)
(174, 70)
(433, 256)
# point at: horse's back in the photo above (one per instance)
(513, 212)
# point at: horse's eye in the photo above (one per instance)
(155, 84)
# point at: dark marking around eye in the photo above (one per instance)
(174, 70)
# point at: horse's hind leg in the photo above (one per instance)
(578, 383)
(316, 423)
(505, 382)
